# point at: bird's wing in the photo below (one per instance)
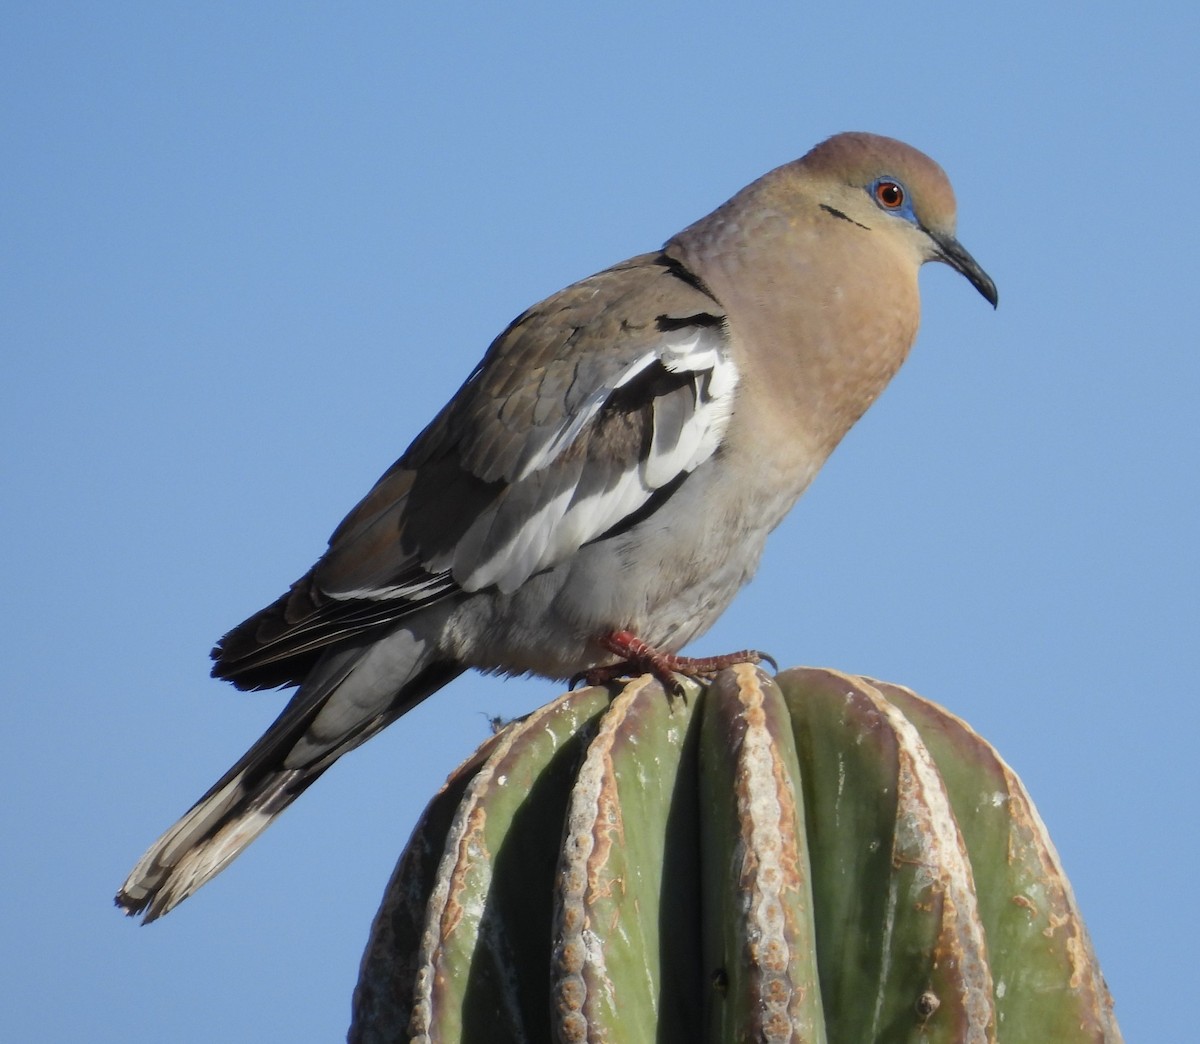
(582, 417)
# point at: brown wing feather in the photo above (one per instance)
(535, 373)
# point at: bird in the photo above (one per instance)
(600, 487)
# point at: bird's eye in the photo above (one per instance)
(889, 194)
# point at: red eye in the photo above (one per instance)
(889, 195)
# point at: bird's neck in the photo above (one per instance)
(821, 318)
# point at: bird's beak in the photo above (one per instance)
(955, 255)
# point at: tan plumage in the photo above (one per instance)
(608, 474)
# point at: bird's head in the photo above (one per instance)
(887, 187)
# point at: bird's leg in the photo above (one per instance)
(639, 657)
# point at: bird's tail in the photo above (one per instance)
(345, 701)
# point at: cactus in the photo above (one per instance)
(817, 857)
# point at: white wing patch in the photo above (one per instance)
(686, 433)
(574, 424)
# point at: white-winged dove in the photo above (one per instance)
(600, 487)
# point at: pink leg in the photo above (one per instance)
(637, 657)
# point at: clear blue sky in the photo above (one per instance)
(248, 250)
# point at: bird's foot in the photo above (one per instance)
(639, 657)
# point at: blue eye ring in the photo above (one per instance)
(889, 194)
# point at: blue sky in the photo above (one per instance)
(248, 250)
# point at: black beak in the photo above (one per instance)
(955, 255)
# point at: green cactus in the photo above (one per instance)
(817, 857)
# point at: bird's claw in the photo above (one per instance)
(668, 669)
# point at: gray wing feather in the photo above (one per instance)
(584, 407)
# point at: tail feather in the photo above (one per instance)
(206, 840)
(349, 690)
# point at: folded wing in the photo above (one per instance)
(544, 449)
